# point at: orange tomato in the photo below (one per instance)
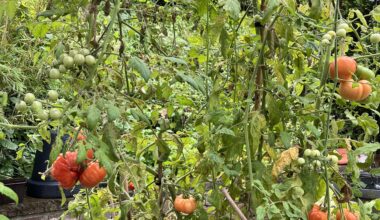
(316, 213)
(346, 68)
(92, 175)
(358, 93)
(343, 153)
(347, 215)
(185, 205)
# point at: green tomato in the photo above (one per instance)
(90, 60)
(85, 51)
(55, 113)
(341, 32)
(43, 115)
(21, 106)
(363, 72)
(317, 164)
(332, 34)
(344, 26)
(61, 57)
(29, 98)
(36, 106)
(327, 37)
(375, 38)
(55, 63)
(72, 53)
(334, 159)
(301, 161)
(79, 59)
(54, 74)
(325, 42)
(316, 153)
(62, 68)
(68, 61)
(307, 153)
(52, 95)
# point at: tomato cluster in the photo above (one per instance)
(350, 89)
(317, 214)
(67, 171)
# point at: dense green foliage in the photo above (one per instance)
(192, 97)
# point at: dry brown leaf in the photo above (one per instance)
(285, 159)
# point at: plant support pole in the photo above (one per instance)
(233, 204)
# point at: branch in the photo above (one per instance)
(233, 204)
(12, 126)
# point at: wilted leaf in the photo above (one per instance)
(285, 159)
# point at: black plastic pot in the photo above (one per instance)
(372, 189)
(48, 188)
(18, 185)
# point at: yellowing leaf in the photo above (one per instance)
(285, 159)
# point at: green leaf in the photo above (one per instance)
(216, 199)
(286, 139)
(56, 149)
(8, 192)
(45, 133)
(359, 15)
(260, 213)
(313, 129)
(377, 204)
(93, 117)
(163, 149)
(232, 7)
(139, 65)
(8, 144)
(368, 124)
(104, 160)
(110, 136)
(176, 60)
(3, 217)
(367, 148)
(225, 130)
(195, 83)
(113, 112)
(138, 115)
(82, 154)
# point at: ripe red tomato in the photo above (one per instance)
(71, 158)
(92, 175)
(62, 172)
(131, 186)
(316, 213)
(347, 215)
(184, 205)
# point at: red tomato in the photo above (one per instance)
(347, 215)
(71, 158)
(346, 68)
(131, 186)
(92, 175)
(62, 172)
(90, 154)
(316, 213)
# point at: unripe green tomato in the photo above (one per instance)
(332, 34)
(317, 164)
(334, 159)
(325, 42)
(55, 63)
(72, 53)
(257, 17)
(301, 161)
(43, 115)
(90, 60)
(60, 59)
(375, 38)
(316, 153)
(62, 68)
(55, 114)
(327, 37)
(365, 73)
(79, 59)
(29, 98)
(341, 33)
(85, 51)
(52, 95)
(344, 26)
(307, 153)
(21, 106)
(36, 106)
(68, 61)
(54, 74)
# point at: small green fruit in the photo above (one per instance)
(307, 153)
(43, 115)
(341, 32)
(52, 95)
(72, 53)
(327, 37)
(375, 38)
(21, 106)
(332, 34)
(325, 42)
(344, 26)
(55, 114)
(85, 51)
(29, 98)
(300, 161)
(54, 74)
(79, 59)
(90, 60)
(62, 68)
(36, 106)
(68, 61)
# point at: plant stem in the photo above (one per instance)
(88, 203)
(12, 126)
(366, 56)
(233, 204)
